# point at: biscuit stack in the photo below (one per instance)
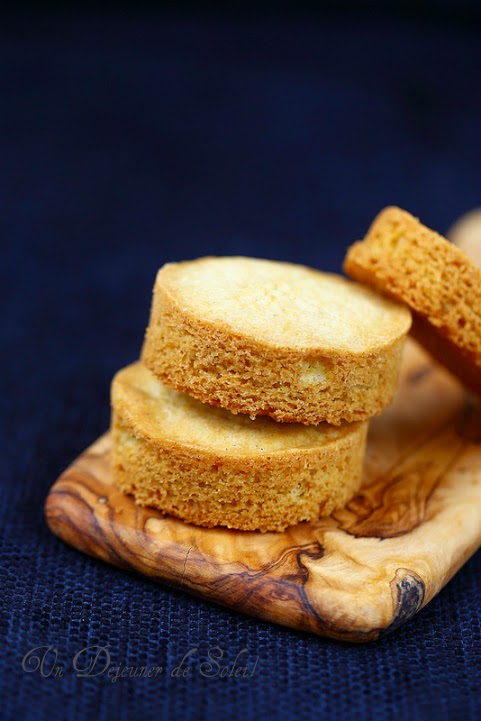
(250, 406)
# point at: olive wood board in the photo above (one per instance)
(355, 575)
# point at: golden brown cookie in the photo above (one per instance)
(270, 338)
(436, 280)
(211, 467)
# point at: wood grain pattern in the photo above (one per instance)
(355, 575)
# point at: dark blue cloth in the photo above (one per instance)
(130, 138)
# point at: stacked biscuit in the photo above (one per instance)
(250, 406)
(436, 280)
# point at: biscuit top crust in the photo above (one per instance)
(283, 305)
(147, 406)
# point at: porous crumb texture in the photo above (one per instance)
(210, 467)
(276, 339)
(416, 266)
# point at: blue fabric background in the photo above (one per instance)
(134, 137)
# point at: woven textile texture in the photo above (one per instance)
(136, 136)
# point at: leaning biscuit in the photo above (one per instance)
(270, 338)
(412, 264)
(211, 467)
